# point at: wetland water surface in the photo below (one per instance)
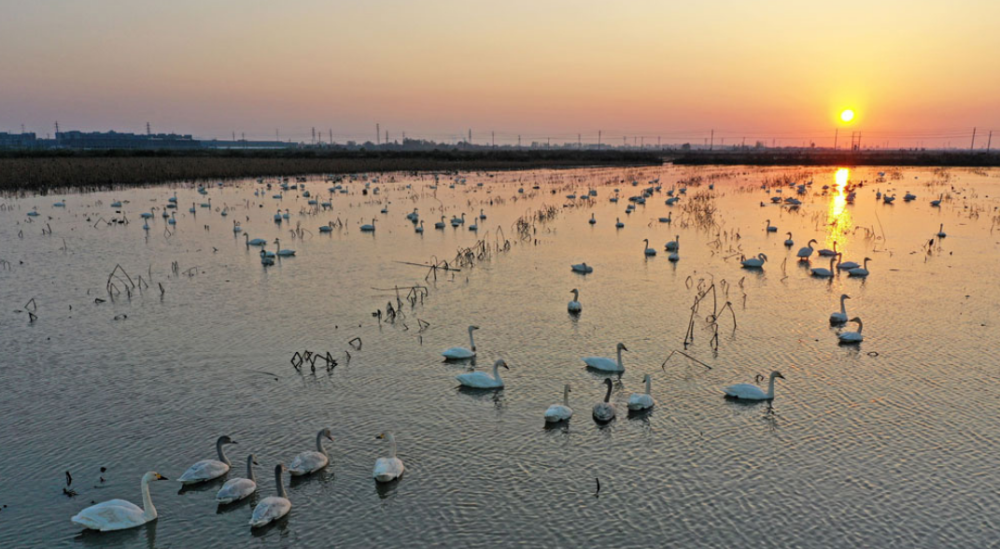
(890, 443)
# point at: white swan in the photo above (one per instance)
(841, 317)
(482, 380)
(647, 249)
(209, 469)
(789, 242)
(272, 508)
(280, 252)
(823, 272)
(118, 514)
(806, 252)
(941, 233)
(255, 241)
(368, 227)
(845, 265)
(459, 353)
(574, 306)
(389, 468)
(770, 228)
(852, 337)
(605, 411)
(825, 252)
(606, 364)
(747, 391)
(560, 412)
(674, 245)
(642, 401)
(236, 489)
(754, 262)
(581, 268)
(312, 460)
(860, 271)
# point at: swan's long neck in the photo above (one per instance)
(472, 342)
(866, 263)
(860, 325)
(576, 295)
(496, 371)
(250, 469)
(281, 487)
(392, 445)
(843, 309)
(319, 445)
(566, 396)
(148, 511)
(620, 358)
(770, 388)
(649, 384)
(607, 396)
(222, 454)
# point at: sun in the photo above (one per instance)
(847, 115)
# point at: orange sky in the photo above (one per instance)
(920, 70)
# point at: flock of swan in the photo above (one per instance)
(117, 514)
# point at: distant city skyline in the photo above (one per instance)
(916, 73)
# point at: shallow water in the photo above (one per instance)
(890, 443)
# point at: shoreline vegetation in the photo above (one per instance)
(44, 171)
(48, 171)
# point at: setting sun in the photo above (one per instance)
(847, 115)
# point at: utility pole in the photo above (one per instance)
(658, 143)
(598, 139)
(859, 140)
(470, 136)
(331, 136)
(378, 132)
(836, 133)
(579, 141)
(148, 131)
(22, 128)
(277, 135)
(519, 141)
(989, 141)
(234, 137)
(57, 129)
(973, 146)
(314, 135)
(493, 138)
(744, 144)
(549, 143)
(712, 144)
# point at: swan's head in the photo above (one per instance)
(473, 328)
(811, 242)
(501, 362)
(621, 347)
(224, 439)
(647, 378)
(252, 459)
(567, 388)
(382, 436)
(327, 434)
(845, 296)
(608, 382)
(777, 375)
(152, 476)
(856, 319)
(280, 468)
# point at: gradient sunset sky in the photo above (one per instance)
(913, 70)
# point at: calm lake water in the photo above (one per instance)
(890, 443)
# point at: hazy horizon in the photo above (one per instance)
(915, 72)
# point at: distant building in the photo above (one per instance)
(18, 140)
(119, 141)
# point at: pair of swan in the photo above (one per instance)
(607, 364)
(482, 380)
(748, 391)
(461, 353)
(574, 305)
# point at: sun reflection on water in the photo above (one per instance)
(839, 219)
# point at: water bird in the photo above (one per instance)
(482, 380)
(860, 271)
(827, 252)
(852, 337)
(420, 228)
(642, 401)
(574, 305)
(667, 219)
(806, 252)
(770, 228)
(236, 489)
(754, 262)
(369, 228)
(937, 203)
(747, 391)
(388, 469)
(841, 317)
(605, 411)
(845, 265)
(310, 461)
(674, 245)
(209, 469)
(789, 242)
(280, 252)
(560, 412)
(646, 249)
(481, 214)
(592, 220)
(461, 353)
(673, 257)
(618, 223)
(823, 272)
(607, 364)
(118, 514)
(439, 224)
(941, 233)
(272, 508)
(147, 215)
(582, 268)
